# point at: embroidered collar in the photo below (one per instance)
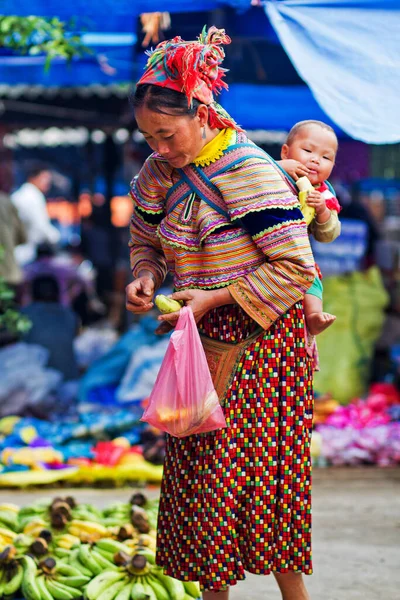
(214, 149)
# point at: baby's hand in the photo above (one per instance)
(294, 168)
(316, 200)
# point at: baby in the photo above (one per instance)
(310, 150)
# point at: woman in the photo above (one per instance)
(211, 207)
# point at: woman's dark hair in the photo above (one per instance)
(163, 100)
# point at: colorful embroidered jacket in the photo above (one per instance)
(234, 222)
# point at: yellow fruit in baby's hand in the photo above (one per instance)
(167, 305)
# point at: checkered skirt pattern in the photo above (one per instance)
(238, 499)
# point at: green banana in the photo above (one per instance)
(2, 582)
(60, 591)
(13, 585)
(192, 588)
(110, 545)
(137, 590)
(61, 552)
(125, 593)
(101, 583)
(42, 587)
(30, 590)
(67, 570)
(114, 589)
(107, 555)
(149, 591)
(102, 561)
(167, 305)
(76, 581)
(159, 590)
(174, 586)
(85, 556)
(76, 564)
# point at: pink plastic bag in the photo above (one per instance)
(183, 401)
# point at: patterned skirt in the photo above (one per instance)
(239, 499)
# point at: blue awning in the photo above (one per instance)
(272, 107)
(347, 51)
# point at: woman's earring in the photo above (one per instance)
(204, 134)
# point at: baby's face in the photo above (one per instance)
(315, 148)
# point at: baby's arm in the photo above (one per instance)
(327, 231)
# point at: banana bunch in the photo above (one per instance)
(95, 559)
(87, 512)
(66, 541)
(87, 531)
(167, 305)
(51, 580)
(7, 537)
(138, 578)
(117, 514)
(35, 526)
(11, 573)
(9, 516)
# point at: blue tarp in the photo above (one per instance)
(347, 51)
(104, 13)
(272, 107)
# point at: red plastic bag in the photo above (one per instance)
(183, 401)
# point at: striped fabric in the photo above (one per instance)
(243, 228)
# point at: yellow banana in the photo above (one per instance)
(7, 534)
(167, 305)
(10, 507)
(305, 187)
(87, 527)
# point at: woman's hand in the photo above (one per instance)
(200, 301)
(139, 293)
(294, 168)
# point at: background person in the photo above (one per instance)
(30, 202)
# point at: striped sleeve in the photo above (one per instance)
(258, 196)
(148, 211)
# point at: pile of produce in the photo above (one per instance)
(61, 550)
(366, 431)
(35, 452)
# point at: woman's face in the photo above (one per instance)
(177, 138)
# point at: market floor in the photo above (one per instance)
(356, 534)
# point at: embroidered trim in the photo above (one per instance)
(214, 149)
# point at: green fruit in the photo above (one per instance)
(174, 586)
(44, 591)
(167, 305)
(61, 592)
(125, 593)
(159, 590)
(85, 557)
(192, 588)
(76, 581)
(148, 590)
(30, 590)
(13, 585)
(137, 590)
(101, 583)
(113, 590)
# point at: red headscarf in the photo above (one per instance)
(193, 68)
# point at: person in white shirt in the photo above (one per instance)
(30, 202)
